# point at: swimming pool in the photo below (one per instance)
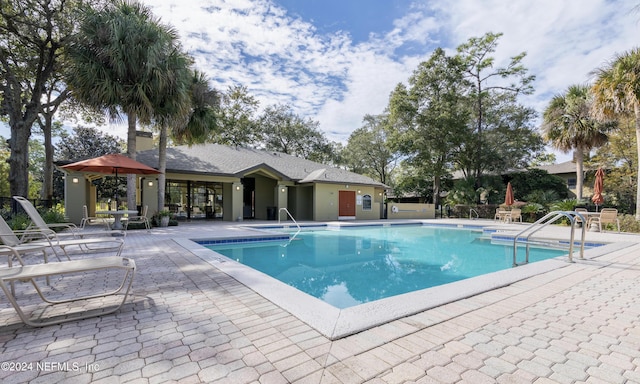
(352, 266)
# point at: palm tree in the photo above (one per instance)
(188, 110)
(567, 125)
(617, 91)
(119, 64)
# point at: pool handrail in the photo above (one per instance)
(292, 219)
(552, 217)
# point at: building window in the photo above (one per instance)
(571, 183)
(366, 202)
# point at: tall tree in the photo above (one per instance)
(617, 91)
(619, 156)
(119, 63)
(86, 142)
(34, 34)
(287, 132)
(486, 83)
(237, 120)
(189, 110)
(368, 151)
(46, 123)
(568, 125)
(430, 118)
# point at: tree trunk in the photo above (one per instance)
(47, 179)
(436, 190)
(19, 158)
(131, 152)
(579, 154)
(636, 110)
(162, 166)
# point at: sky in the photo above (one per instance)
(336, 61)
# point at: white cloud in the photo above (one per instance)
(284, 59)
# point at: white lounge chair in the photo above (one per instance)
(20, 250)
(38, 222)
(30, 272)
(37, 238)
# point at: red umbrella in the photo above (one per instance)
(508, 198)
(111, 164)
(597, 197)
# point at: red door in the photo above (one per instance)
(347, 203)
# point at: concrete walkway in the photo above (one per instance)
(188, 322)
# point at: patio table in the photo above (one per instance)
(117, 216)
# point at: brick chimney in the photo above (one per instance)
(144, 141)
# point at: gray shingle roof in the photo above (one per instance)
(221, 160)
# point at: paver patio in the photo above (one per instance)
(188, 322)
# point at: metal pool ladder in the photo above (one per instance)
(550, 218)
(292, 219)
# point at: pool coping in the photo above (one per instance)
(335, 323)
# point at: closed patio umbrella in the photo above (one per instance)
(597, 197)
(508, 198)
(111, 164)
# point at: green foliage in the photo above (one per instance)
(4, 168)
(564, 205)
(238, 124)
(19, 222)
(428, 121)
(368, 151)
(155, 220)
(203, 120)
(35, 35)
(532, 211)
(85, 143)
(568, 125)
(503, 135)
(284, 131)
(463, 192)
(619, 157)
(536, 183)
(628, 223)
(615, 93)
(542, 197)
(54, 214)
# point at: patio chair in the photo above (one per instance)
(29, 273)
(34, 238)
(515, 214)
(500, 214)
(92, 220)
(607, 216)
(141, 219)
(38, 222)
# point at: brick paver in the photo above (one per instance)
(189, 322)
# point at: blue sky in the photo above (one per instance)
(335, 61)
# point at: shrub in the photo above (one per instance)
(531, 211)
(53, 215)
(628, 223)
(19, 222)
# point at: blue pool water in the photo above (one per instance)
(352, 266)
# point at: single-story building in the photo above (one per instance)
(211, 181)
